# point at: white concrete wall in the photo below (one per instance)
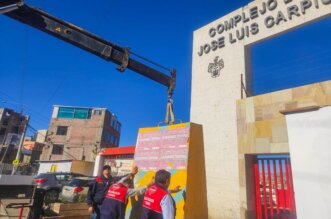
(98, 164)
(213, 100)
(61, 166)
(310, 147)
(55, 111)
(41, 136)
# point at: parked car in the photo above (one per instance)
(76, 189)
(53, 183)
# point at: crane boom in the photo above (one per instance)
(85, 40)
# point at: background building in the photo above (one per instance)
(79, 133)
(40, 136)
(11, 128)
(11, 122)
(120, 159)
(31, 151)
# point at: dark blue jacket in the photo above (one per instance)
(99, 187)
(112, 209)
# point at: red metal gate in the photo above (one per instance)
(274, 188)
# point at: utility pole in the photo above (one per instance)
(18, 155)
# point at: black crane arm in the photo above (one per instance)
(87, 41)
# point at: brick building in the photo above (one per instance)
(80, 132)
(11, 127)
(31, 151)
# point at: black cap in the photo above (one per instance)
(106, 167)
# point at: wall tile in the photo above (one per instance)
(328, 99)
(267, 112)
(303, 91)
(277, 107)
(250, 139)
(281, 96)
(326, 87)
(291, 105)
(258, 113)
(262, 100)
(279, 147)
(263, 129)
(279, 133)
(250, 114)
(262, 145)
(241, 126)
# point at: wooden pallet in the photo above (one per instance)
(12, 213)
(70, 211)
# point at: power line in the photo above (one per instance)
(35, 117)
(24, 67)
(35, 113)
(54, 92)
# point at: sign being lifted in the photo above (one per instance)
(178, 149)
(162, 149)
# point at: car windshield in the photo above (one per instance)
(79, 182)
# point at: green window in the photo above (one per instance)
(74, 113)
(66, 113)
(82, 113)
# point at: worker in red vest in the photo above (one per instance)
(98, 189)
(158, 203)
(113, 206)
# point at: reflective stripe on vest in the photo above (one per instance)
(117, 192)
(153, 197)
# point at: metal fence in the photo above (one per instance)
(22, 169)
(274, 188)
(6, 168)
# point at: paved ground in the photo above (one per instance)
(11, 213)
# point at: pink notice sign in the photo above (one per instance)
(162, 147)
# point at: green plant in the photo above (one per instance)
(82, 199)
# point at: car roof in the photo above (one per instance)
(58, 173)
(84, 178)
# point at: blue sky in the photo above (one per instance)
(39, 71)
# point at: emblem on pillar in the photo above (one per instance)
(215, 68)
